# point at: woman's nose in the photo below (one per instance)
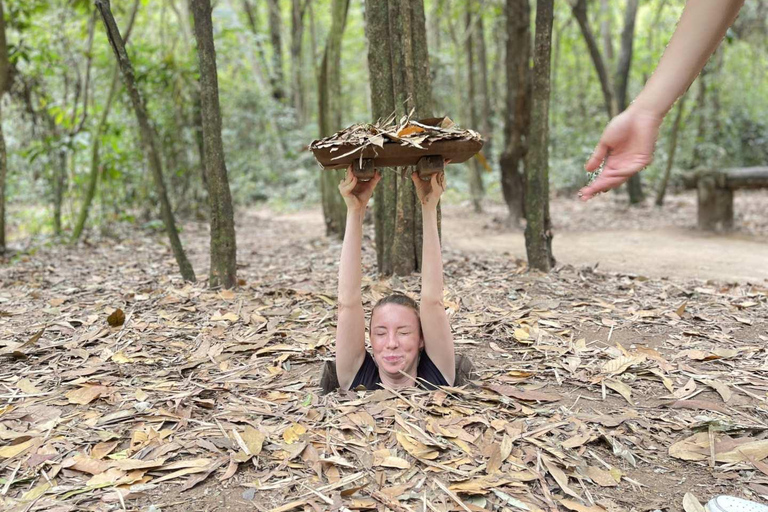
(392, 341)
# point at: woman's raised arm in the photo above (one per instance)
(438, 339)
(350, 327)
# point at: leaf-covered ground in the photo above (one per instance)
(594, 392)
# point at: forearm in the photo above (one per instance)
(431, 260)
(701, 28)
(350, 271)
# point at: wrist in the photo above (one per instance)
(647, 106)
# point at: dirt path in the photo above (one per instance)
(641, 240)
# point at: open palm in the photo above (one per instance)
(626, 146)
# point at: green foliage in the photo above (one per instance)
(263, 138)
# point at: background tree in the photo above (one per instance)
(148, 137)
(223, 246)
(400, 83)
(538, 229)
(476, 188)
(329, 117)
(517, 107)
(4, 87)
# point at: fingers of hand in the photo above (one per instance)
(598, 155)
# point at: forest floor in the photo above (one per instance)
(631, 386)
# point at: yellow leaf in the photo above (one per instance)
(621, 364)
(121, 358)
(293, 433)
(110, 476)
(13, 450)
(38, 491)
(691, 503)
(578, 507)
(86, 394)
(416, 448)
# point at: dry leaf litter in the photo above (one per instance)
(124, 388)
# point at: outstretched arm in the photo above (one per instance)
(350, 327)
(438, 339)
(627, 144)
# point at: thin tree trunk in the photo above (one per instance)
(297, 64)
(671, 152)
(538, 231)
(253, 23)
(517, 109)
(484, 88)
(93, 175)
(275, 30)
(329, 108)
(476, 188)
(59, 184)
(634, 185)
(580, 13)
(605, 30)
(148, 136)
(223, 247)
(701, 109)
(400, 81)
(4, 87)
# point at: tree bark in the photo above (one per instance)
(538, 230)
(605, 30)
(701, 129)
(253, 23)
(93, 175)
(634, 185)
(517, 110)
(476, 189)
(580, 13)
(400, 82)
(148, 136)
(484, 88)
(4, 87)
(223, 271)
(275, 29)
(329, 108)
(297, 57)
(671, 149)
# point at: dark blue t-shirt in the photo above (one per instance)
(368, 374)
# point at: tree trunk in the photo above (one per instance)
(484, 88)
(580, 13)
(605, 30)
(517, 110)
(275, 29)
(148, 136)
(3, 170)
(93, 175)
(538, 231)
(223, 247)
(634, 185)
(671, 149)
(4, 87)
(59, 185)
(329, 118)
(400, 82)
(476, 189)
(701, 129)
(253, 23)
(297, 65)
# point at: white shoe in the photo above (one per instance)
(732, 504)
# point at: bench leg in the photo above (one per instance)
(715, 208)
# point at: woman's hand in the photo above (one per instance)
(357, 193)
(429, 192)
(626, 146)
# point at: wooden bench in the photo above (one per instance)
(715, 193)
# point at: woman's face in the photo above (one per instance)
(396, 339)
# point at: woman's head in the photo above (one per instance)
(396, 337)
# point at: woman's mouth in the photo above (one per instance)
(392, 359)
